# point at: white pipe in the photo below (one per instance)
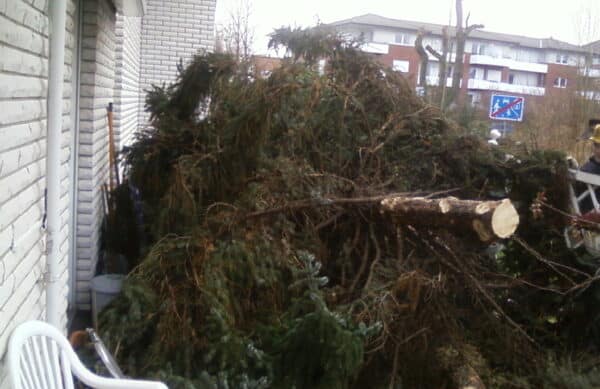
(58, 16)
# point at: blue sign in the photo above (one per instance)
(507, 108)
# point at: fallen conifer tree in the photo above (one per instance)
(301, 236)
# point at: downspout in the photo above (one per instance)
(58, 16)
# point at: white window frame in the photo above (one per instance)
(477, 48)
(495, 72)
(403, 39)
(402, 66)
(562, 58)
(560, 82)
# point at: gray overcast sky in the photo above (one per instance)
(574, 21)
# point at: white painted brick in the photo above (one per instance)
(17, 35)
(97, 90)
(18, 111)
(166, 25)
(23, 92)
(15, 60)
(25, 199)
(14, 86)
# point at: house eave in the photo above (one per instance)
(131, 7)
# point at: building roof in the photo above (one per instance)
(593, 47)
(436, 29)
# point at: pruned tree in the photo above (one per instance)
(442, 65)
(462, 32)
(424, 59)
(237, 33)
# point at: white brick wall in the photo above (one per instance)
(121, 58)
(97, 90)
(172, 30)
(24, 28)
(127, 94)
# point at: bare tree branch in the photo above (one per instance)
(238, 34)
(461, 38)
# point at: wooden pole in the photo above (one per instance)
(112, 154)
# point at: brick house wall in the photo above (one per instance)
(24, 53)
(407, 53)
(172, 30)
(108, 68)
(122, 57)
(564, 71)
(127, 78)
(96, 91)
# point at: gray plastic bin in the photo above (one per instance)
(104, 289)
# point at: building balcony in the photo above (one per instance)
(506, 87)
(509, 63)
(590, 95)
(375, 48)
(434, 81)
(588, 72)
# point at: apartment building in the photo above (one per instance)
(494, 63)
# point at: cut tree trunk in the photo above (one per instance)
(489, 219)
(467, 378)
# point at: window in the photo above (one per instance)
(493, 75)
(541, 80)
(560, 82)
(401, 38)
(476, 73)
(432, 69)
(449, 71)
(562, 58)
(474, 98)
(366, 36)
(511, 78)
(478, 48)
(401, 66)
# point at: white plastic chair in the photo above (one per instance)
(40, 357)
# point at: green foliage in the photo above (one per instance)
(121, 241)
(242, 177)
(320, 348)
(309, 45)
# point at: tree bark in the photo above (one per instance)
(461, 38)
(424, 60)
(467, 378)
(442, 62)
(489, 219)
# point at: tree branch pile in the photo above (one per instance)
(328, 229)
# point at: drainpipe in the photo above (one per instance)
(58, 15)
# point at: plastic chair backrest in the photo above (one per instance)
(40, 357)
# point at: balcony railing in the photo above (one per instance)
(375, 48)
(506, 87)
(587, 72)
(434, 81)
(509, 63)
